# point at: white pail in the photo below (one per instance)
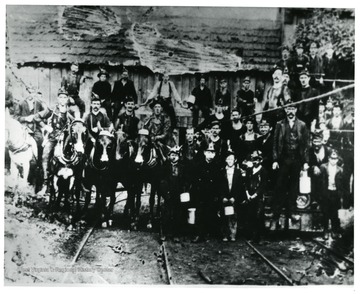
(229, 210)
(184, 197)
(304, 183)
(191, 215)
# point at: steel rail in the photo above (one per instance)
(272, 266)
(334, 252)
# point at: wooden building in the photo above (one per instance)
(42, 42)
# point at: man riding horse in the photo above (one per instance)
(58, 119)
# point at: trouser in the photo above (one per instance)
(81, 104)
(228, 225)
(48, 153)
(206, 219)
(175, 212)
(170, 111)
(330, 206)
(205, 114)
(287, 186)
(254, 217)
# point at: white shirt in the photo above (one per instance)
(336, 122)
(332, 172)
(291, 122)
(229, 174)
(321, 154)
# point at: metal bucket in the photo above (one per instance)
(229, 210)
(191, 215)
(184, 197)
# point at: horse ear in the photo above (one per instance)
(168, 147)
(111, 128)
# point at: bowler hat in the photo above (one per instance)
(176, 149)
(154, 102)
(257, 154)
(304, 71)
(247, 79)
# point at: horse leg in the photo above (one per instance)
(151, 204)
(111, 207)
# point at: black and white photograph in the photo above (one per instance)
(179, 145)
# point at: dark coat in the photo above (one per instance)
(22, 110)
(237, 188)
(103, 89)
(279, 140)
(339, 183)
(256, 183)
(120, 91)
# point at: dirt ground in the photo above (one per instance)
(40, 248)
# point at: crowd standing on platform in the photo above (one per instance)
(230, 159)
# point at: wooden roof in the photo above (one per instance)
(178, 39)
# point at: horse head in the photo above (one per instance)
(78, 134)
(104, 150)
(121, 143)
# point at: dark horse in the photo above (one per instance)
(100, 171)
(145, 167)
(67, 165)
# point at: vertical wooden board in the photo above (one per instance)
(252, 84)
(212, 86)
(177, 80)
(55, 80)
(193, 83)
(44, 83)
(136, 81)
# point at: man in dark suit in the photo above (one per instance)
(290, 154)
(332, 193)
(122, 88)
(231, 193)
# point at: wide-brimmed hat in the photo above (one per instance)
(103, 72)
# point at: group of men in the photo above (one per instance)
(234, 156)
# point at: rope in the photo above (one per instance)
(20, 80)
(305, 100)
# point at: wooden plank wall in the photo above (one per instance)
(48, 80)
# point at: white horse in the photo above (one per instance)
(22, 148)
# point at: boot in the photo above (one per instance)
(45, 189)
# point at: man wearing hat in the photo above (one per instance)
(71, 83)
(223, 97)
(122, 88)
(58, 119)
(265, 143)
(159, 127)
(332, 193)
(163, 91)
(255, 187)
(95, 121)
(25, 113)
(203, 101)
(290, 155)
(205, 194)
(245, 98)
(103, 89)
(220, 144)
(174, 182)
(231, 189)
(233, 129)
(127, 121)
(307, 111)
(285, 60)
(318, 154)
(315, 65)
(299, 61)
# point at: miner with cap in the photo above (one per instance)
(219, 143)
(205, 194)
(164, 91)
(71, 83)
(122, 88)
(285, 60)
(255, 187)
(298, 62)
(102, 88)
(223, 97)
(58, 119)
(290, 155)
(265, 143)
(231, 189)
(245, 98)
(127, 121)
(95, 121)
(315, 65)
(319, 154)
(203, 101)
(307, 111)
(332, 194)
(174, 182)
